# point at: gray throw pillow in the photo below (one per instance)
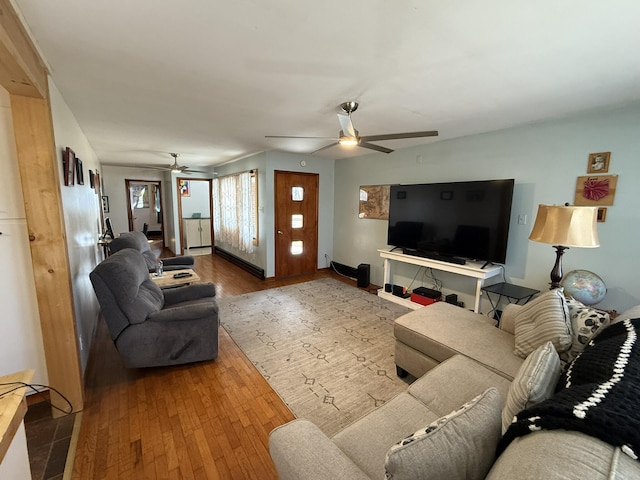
(459, 445)
(536, 381)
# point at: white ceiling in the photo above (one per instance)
(209, 79)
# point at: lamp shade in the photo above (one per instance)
(568, 226)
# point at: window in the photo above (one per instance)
(297, 247)
(296, 220)
(235, 210)
(140, 196)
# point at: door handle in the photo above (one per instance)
(280, 232)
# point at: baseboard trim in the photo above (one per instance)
(240, 262)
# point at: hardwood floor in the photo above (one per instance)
(207, 420)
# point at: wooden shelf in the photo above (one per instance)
(13, 407)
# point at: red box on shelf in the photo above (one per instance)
(423, 300)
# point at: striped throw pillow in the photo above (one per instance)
(543, 319)
(536, 381)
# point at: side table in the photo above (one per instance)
(513, 293)
(167, 279)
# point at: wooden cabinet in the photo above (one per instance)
(197, 232)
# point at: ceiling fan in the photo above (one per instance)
(175, 167)
(350, 136)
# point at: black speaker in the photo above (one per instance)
(452, 299)
(398, 290)
(388, 287)
(364, 271)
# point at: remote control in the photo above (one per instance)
(182, 275)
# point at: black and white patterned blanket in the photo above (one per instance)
(598, 395)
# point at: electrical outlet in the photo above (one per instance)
(522, 219)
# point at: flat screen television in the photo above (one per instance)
(455, 220)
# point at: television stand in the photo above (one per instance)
(469, 269)
(434, 256)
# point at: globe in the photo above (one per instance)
(584, 286)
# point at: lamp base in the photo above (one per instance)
(556, 273)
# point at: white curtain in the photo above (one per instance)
(232, 206)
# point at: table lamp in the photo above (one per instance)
(563, 227)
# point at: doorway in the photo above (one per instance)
(144, 207)
(195, 207)
(296, 222)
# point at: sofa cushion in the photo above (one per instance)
(586, 323)
(454, 382)
(461, 444)
(567, 455)
(543, 319)
(367, 439)
(441, 331)
(535, 382)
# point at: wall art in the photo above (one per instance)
(374, 202)
(69, 165)
(602, 214)
(597, 190)
(599, 162)
(79, 172)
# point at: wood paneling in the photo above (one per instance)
(22, 72)
(43, 207)
(24, 75)
(204, 420)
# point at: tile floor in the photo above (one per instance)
(48, 441)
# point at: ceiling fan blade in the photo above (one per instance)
(397, 136)
(325, 147)
(347, 125)
(375, 147)
(290, 136)
(188, 170)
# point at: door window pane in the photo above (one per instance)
(296, 247)
(297, 194)
(296, 220)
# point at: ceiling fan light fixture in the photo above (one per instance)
(349, 141)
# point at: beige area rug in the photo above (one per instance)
(325, 347)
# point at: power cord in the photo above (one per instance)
(32, 386)
(330, 265)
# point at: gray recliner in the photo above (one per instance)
(149, 326)
(138, 241)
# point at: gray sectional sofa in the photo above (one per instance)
(497, 375)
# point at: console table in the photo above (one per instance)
(470, 269)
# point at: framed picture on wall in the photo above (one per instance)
(599, 162)
(69, 165)
(185, 188)
(79, 172)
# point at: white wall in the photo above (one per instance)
(267, 163)
(545, 159)
(198, 201)
(81, 208)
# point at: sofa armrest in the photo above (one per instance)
(507, 319)
(187, 293)
(299, 449)
(193, 311)
(186, 261)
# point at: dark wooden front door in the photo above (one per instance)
(296, 242)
